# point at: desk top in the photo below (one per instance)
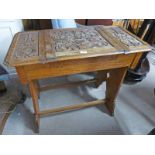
(44, 46)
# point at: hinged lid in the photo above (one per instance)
(61, 44)
(130, 42)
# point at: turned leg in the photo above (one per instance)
(34, 95)
(100, 77)
(114, 81)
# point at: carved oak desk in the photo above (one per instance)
(109, 51)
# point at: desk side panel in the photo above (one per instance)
(53, 69)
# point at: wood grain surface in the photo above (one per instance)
(109, 51)
(44, 46)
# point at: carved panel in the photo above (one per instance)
(74, 40)
(124, 37)
(26, 45)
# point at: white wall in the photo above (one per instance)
(8, 28)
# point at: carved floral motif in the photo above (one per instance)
(125, 37)
(27, 45)
(77, 39)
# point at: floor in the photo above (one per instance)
(134, 112)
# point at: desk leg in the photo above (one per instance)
(100, 77)
(116, 77)
(34, 94)
(38, 88)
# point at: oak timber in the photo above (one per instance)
(51, 53)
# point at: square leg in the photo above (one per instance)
(114, 81)
(100, 77)
(33, 85)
